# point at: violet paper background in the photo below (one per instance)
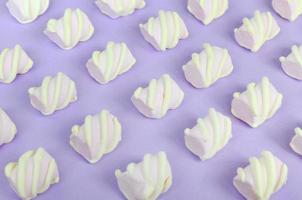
(192, 179)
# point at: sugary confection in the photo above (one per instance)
(119, 8)
(165, 31)
(116, 59)
(98, 135)
(209, 135)
(207, 10)
(160, 96)
(72, 28)
(254, 32)
(55, 93)
(208, 66)
(257, 104)
(263, 177)
(146, 180)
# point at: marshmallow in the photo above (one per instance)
(99, 135)
(72, 28)
(8, 129)
(209, 135)
(119, 8)
(32, 174)
(164, 31)
(146, 180)
(55, 93)
(115, 60)
(296, 142)
(207, 10)
(205, 68)
(257, 104)
(26, 11)
(262, 177)
(254, 32)
(160, 96)
(292, 64)
(12, 62)
(288, 9)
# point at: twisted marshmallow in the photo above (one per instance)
(209, 135)
(288, 9)
(262, 177)
(207, 10)
(8, 129)
(55, 93)
(33, 174)
(146, 180)
(161, 95)
(72, 28)
(119, 8)
(164, 31)
(206, 68)
(256, 31)
(296, 142)
(292, 64)
(99, 135)
(12, 62)
(257, 104)
(115, 60)
(26, 11)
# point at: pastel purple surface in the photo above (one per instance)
(192, 179)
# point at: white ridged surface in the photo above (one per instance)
(288, 9)
(33, 174)
(146, 180)
(262, 177)
(296, 142)
(26, 11)
(257, 104)
(209, 135)
(119, 8)
(292, 64)
(207, 10)
(12, 62)
(254, 32)
(99, 135)
(106, 65)
(164, 31)
(207, 67)
(55, 93)
(8, 129)
(160, 96)
(72, 28)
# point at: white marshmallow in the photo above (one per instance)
(164, 31)
(254, 32)
(262, 177)
(292, 64)
(288, 9)
(55, 93)
(72, 28)
(119, 8)
(33, 174)
(146, 180)
(296, 142)
(160, 96)
(257, 104)
(115, 60)
(12, 62)
(99, 135)
(26, 11)
(8, 129)
(207, 10)
(205, 68)
(209, 135)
